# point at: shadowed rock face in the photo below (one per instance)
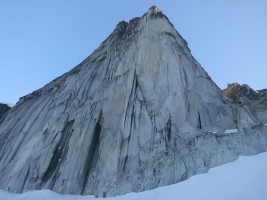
(3, 110)
(139, 113)
(243, 95)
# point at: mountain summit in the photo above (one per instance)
(138, 113)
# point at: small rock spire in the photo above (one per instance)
(154, 9)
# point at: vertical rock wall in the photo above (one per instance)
(139, 113)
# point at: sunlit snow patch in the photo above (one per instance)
(213, 132)
(229, 131)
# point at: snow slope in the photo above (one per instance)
(244, 179)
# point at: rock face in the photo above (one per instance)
(243, 95)
(139, 113)
(3, 110)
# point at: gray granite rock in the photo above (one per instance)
(139, 113)
(243, 95)
(4, 108)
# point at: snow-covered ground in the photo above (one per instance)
(244, 179)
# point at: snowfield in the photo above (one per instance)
(244, 179)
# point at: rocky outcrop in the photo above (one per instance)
(262, 92)
(3, 110)
(243, 95)
(139, 113)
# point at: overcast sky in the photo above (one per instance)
(41, 40)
